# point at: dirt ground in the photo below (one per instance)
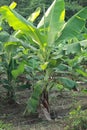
(60, 106)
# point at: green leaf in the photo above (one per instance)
(33, 101)
(82, 72)
(83, 43)
(62, 67)
(68, 83)
(34, 15)
(72, 48)
(37, 92)
(18, 71)
(58, 87)
(13, 5)
(12, 46)
(19, 23)
(74, 25)
(84, 90)
(44, 66)
(56, 20)
(4, 36)
(23, 87)
(32, 105)
(53, 20)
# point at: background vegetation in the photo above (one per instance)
(26, 7)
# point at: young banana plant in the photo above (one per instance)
(50, 41)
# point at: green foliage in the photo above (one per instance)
(18, 71)
(72, 7)
(70, 84)
(4, 36)
(4, 126)
(25, 8)
(34, 100)
(78, 19)
(77, 120)
(47, 45)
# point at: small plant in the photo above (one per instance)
(4, 126)
(7, 63)
(77, 120)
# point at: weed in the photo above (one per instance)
(77, 120)
(4, 126)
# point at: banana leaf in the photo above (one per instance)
(18, 22)
(74, 26)
(53, 20)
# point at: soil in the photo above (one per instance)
(60, 106)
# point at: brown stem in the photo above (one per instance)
(45, 99)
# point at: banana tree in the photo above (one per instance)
(8, 64)
(49, 41)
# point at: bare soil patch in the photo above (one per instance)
(60, 106)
